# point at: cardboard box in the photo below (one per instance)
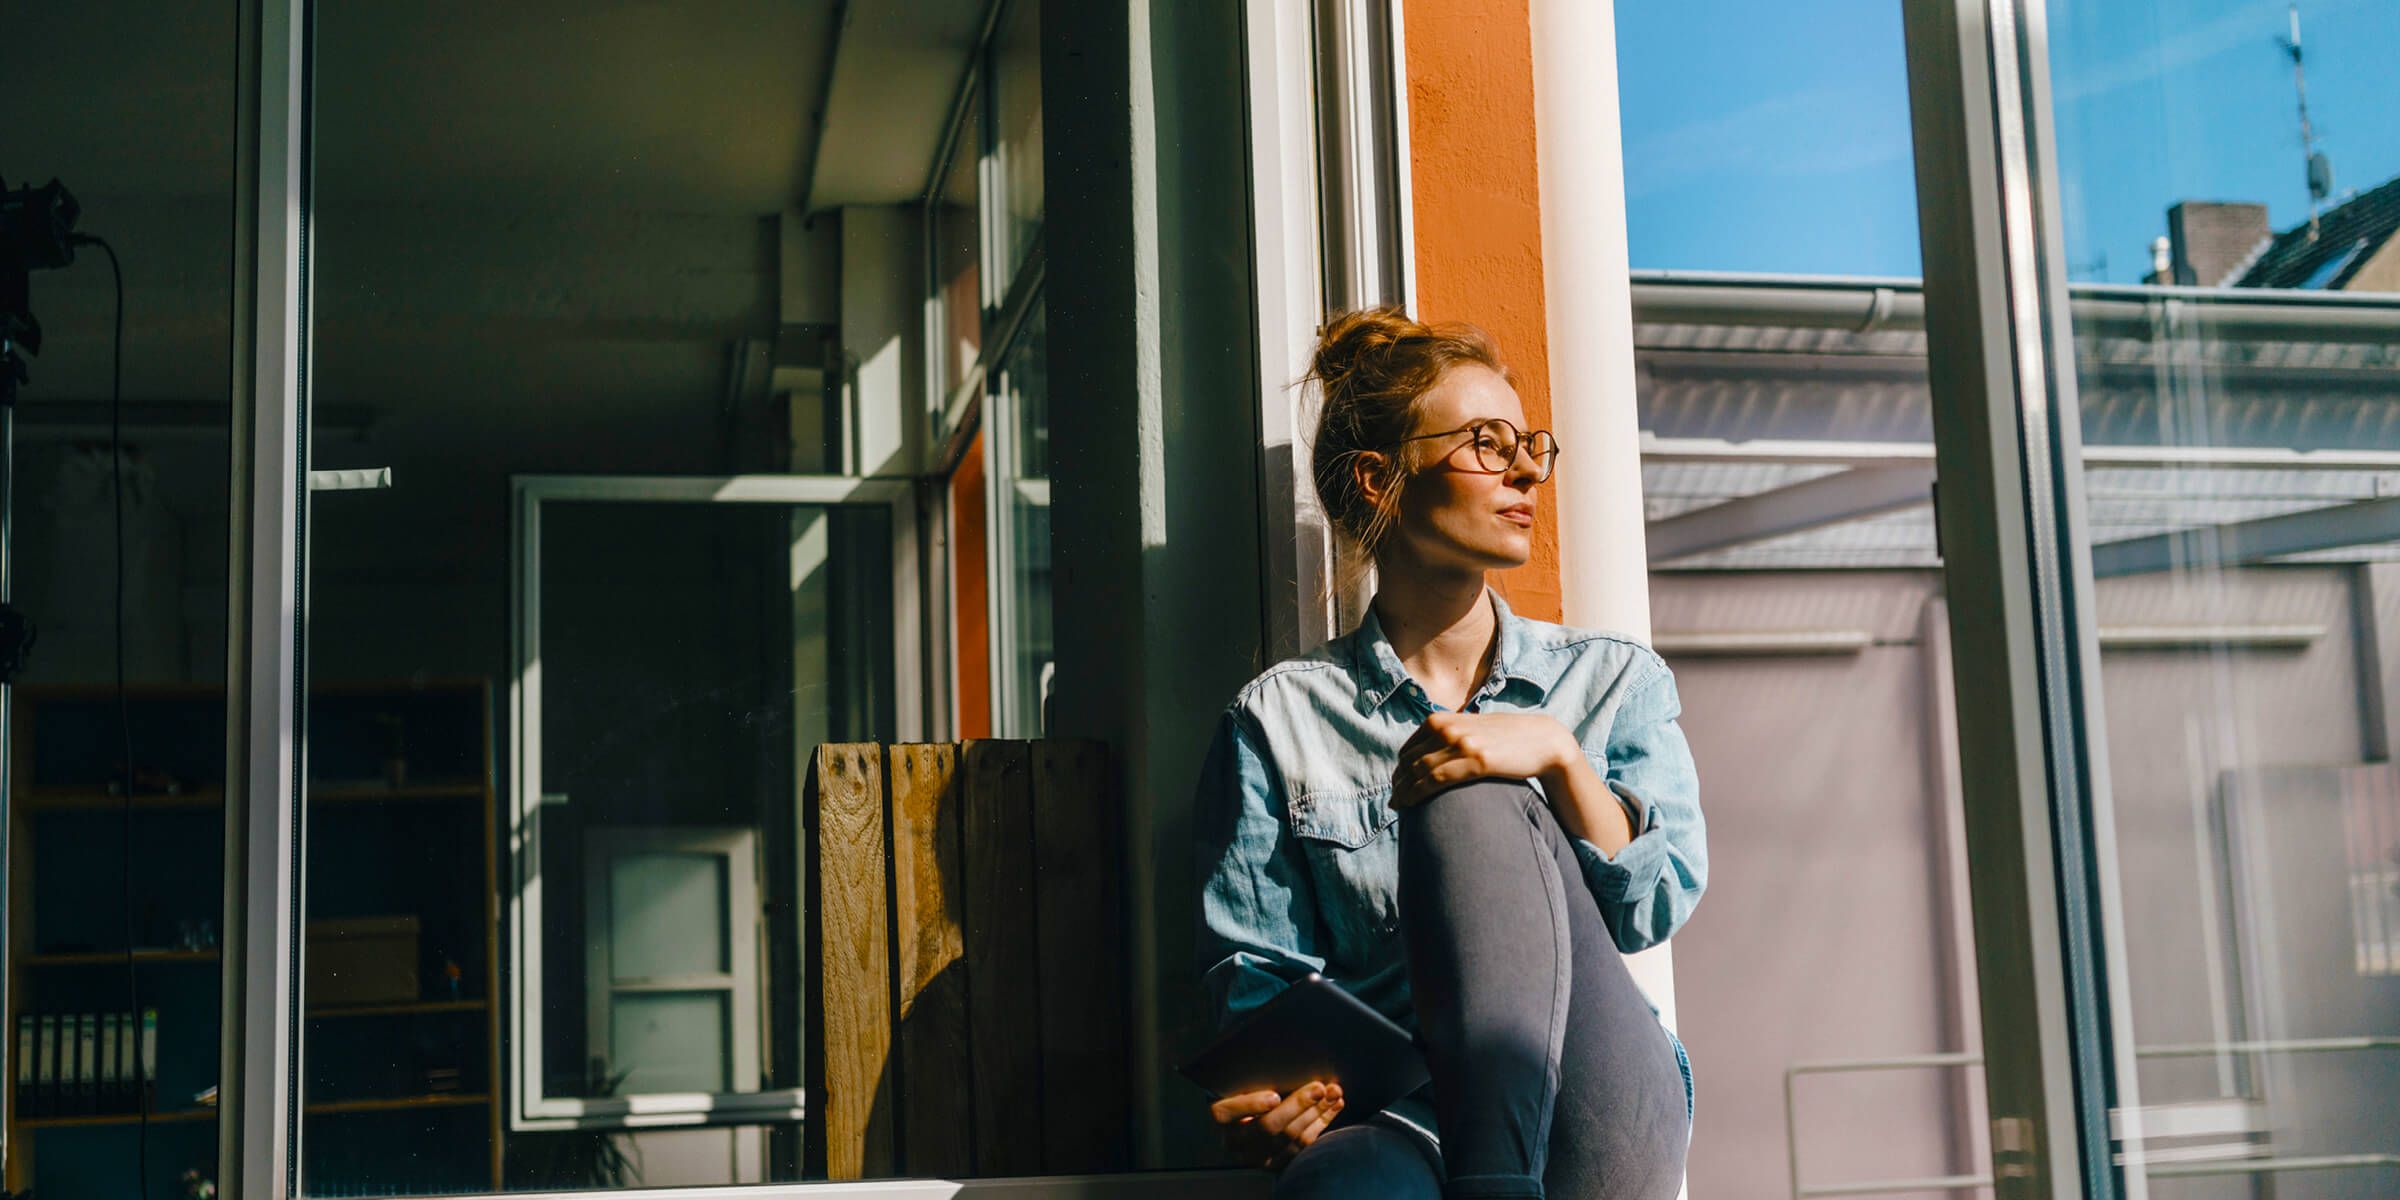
(361, 960)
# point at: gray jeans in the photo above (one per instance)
(1551, 1076)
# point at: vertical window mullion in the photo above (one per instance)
(2018, 585)
(258, 1127)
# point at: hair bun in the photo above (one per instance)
(1358, 343)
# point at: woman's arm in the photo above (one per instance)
(1631, 808)
(1648, 886)
(1258, 908)
(1585, 806)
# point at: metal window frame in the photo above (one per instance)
(2017, 570)
(1004, 489)
(1288, 266)
(258, 1124)
(1366, 214)
(530, 1107)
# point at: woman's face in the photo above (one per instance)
(1452, 513)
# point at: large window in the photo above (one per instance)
(626, 532)
(2230, 198)
(1787, 477)
(984, 219)
(118, 168)
(588, 474)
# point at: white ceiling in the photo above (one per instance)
(683, 107)
(695, 107)
(564, 170)
(895, 81)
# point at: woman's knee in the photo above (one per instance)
(1360, 1160)
(1489, 804)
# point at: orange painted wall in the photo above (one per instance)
(1477, 191)
(971, 594)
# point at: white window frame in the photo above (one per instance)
(1004, 490)
(530, 1106)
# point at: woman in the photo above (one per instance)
(1458, 814)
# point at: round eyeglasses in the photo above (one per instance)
(1496, 441)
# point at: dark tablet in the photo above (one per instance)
(1313, 1030)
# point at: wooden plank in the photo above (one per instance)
(937, 1126)
(1079, 931)
(1003, 996)
(852, 1104)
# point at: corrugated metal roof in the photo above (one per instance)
(1742, 383)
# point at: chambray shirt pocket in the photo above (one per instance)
(1353, 847)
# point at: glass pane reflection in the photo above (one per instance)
(2234, 335)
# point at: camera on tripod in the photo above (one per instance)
(37, 233)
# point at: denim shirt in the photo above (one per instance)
(1299, 859)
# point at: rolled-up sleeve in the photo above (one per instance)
(1258, 910)
(1647, 889)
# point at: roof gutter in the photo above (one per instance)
(1868, 305)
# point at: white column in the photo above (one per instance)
(1603, 566)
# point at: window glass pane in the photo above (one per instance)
(667, 1042)
(1786, 478)
(1023, 483)
(666, 915)
(569, 667)
(952, 223)
(2234, 321)
(1767, 137)
(115, 803)
(1017, 135)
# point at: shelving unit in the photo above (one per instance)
(400, 823)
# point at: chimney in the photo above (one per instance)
(2162, 262)
(2209, 239)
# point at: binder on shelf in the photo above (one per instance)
(45, 1067)
(149, 1076)
(28, 1041)
(87, 1062)
(104, 1074)
(120, 1045)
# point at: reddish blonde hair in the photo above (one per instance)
(1374, 366)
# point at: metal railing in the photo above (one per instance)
(1941, 1183)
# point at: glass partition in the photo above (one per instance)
(1021, 475)
(118, 160)
(953, 221)
(2230, 196)
(1826, 985)
(578, 609)
(1016, 73)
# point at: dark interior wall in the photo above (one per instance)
(530, 344)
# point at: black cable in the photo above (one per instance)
(116, 487)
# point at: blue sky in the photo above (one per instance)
(1767, 135)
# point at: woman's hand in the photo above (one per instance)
(1263, 1129)
(1451, 748)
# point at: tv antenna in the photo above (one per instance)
(2320, 168)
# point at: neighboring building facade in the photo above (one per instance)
(2349, 247)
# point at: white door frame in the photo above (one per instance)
(530, 1107)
